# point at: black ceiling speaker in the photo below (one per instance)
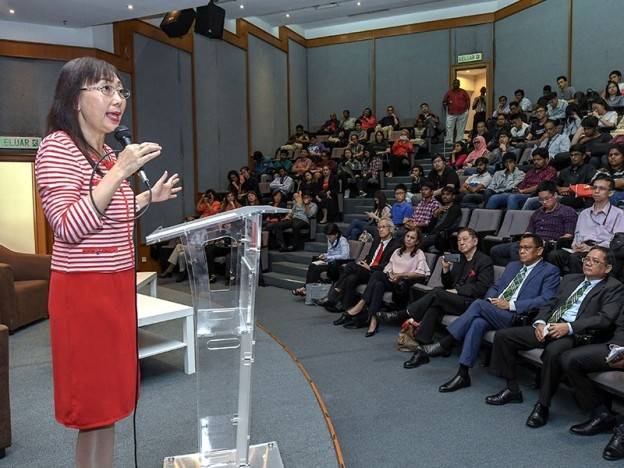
(176, 23)
(209, 21)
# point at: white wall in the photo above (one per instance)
(100, 37)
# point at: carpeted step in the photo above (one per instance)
(295, 257)
(280, 280)
(351, 216)
(295, 270)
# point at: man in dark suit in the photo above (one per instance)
(357, 273)
(588, 301)
(468, 280)
(577, 363)
(524, 286)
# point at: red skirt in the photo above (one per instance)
(94, 356)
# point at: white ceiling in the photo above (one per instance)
(303, 13)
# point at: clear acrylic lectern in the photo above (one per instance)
(224, 320)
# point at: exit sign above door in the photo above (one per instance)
(19, 142)
(477, 56)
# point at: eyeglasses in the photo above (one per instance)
(545, 199)
(593, 261)
(109, 91)
(598, 188)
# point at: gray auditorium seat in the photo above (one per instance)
(484, 221)
(514, 223)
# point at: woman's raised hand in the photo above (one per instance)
(135, 156)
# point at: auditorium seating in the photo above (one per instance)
(514, 223)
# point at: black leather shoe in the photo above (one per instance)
(358, 321)
(368, 334)
(604, 422)
(503, 397)
(392, 316)
(181, 276)
(539, 416)
(455, 384)
(344, 318)
(615, 448)
(435, 350)
(418, 359)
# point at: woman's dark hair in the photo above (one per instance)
(275, 195)
(379, 201)
(419, 167)
(332, 229)
(345, 151)
(462, 144)
(232, 173)
(247, 199)
(379, 132)
(258, 156)
(603, 103)
(617, 88)
(419, 240)
(572, 108)
(211, 192)
(63, 115)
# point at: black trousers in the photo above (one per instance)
(352, 275)
(296, 224)
(212, 252)
(429, 310)
(567, 262)
(509, 341)
(576, 364)
(377, 285)
(313, 275)
(398, 166)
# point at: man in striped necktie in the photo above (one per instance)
(584, 302)
(524, 286)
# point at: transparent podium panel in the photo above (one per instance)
(224, 321)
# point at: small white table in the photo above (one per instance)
(147, 278)
(152, 310)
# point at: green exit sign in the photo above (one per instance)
(470, 57)
(19, 142)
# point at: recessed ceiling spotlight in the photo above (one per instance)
(359, 3)
(242, 7)
(287, 15)
(130, 7)
(12, 11)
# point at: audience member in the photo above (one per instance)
(522, 100)
(406, 265)
(281, 161)
(230, 202)
(251, 199)
(480, 151)
(442, 176)
(388, 123)
(400, 154)
(525, 285)
(475, 185)
(615, 169)
(381, 209)
(579, 173)
(342, 296)
(444, 222)
(551, 222)
(576, 364)
(368, 120)
(432, 121)
(456, 102)
(505, 146)
(298, 219)
(479, 106)
(327, 197)
(302, 164)
(566, 92)
(248, 182)
(480, 130)
(417, 174)
(459, 154)
(519, 130)
(572, 121)
(587, 301)
(208, 204)
(423, 211)
(401, 208)
(505, 180)
(596, 143)
(307, 184)
(282, 182)
(420, 133)
(337, 252)
(501, 126)
(502, 108)
(613, 95)
(540, 172)
(372, 166)
(298, 140)
(596, 225)
(607, 117)
(465, 279)
(330, 126)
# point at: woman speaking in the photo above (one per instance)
(92, 285)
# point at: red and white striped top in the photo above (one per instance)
(82, 240)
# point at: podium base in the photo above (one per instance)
(260, 456)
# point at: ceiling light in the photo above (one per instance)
(12, 11)
(130, 7)
(327, 5)
(287, 15)
(242, 7)
(359, 3)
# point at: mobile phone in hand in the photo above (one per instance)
(452, 258)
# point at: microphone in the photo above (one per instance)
(124, 137)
